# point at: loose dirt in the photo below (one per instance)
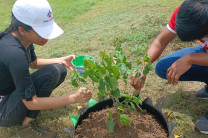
(142, 125)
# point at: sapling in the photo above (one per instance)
(106, 73)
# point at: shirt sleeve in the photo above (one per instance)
(171, 23)
(19, 68)
(32, 53)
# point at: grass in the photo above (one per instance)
(91, 26)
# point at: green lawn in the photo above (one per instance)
(92, 25)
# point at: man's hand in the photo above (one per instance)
(177, 69)
(67, 61)
(137, 83)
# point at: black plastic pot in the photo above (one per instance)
(146, 104)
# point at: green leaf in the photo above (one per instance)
(120, 107)
(123, 68)
(110, 125)
(116, 93)
(89, 63)
(138, 74)
(125, 76)
(121, 57)
(110, 115)
(129, 72)
(115, 71)
(138, 60)
(133, 107)
(139, 106)
(83, 80)
(125, 95)
(86, 74)
(124, 119)
(73, 74)
(124, 59)
(94, 78)
(126, 101)
(99, 94)
(147, 59)
(102, 54)
(74, 83)
(108, 68)
(102, 86)
(147, 68)
(135, 99)
(101, 70)
(135, 68)
(113, 83)
(107, 59)
(128, 64)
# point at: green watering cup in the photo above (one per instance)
(78, 63)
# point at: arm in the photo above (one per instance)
(183, 64)
(154, 51)
(66, 61)
(157, 47)
(45, 103)
(197, 58)
(18, 66)
(160, 43)
(42, 62)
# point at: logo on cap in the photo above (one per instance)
(49, 14)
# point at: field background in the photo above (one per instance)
(92, 25)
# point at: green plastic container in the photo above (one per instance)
(78, 63)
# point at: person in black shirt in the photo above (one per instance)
(23, 94)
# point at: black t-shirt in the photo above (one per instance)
(14, 67)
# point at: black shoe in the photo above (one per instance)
(203, 93)
(29, 131)
(202, 124)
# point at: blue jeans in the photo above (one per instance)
(45, 80)
(195, 73)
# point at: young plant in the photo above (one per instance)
(113, 66)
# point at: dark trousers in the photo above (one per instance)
(45, 80)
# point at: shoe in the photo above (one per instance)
(29, 131)
(202, 124)
(203, 93)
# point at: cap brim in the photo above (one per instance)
(48, 32)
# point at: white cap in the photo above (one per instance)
(38, 15)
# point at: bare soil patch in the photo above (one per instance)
(142, 125)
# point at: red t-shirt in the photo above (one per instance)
(171, 27)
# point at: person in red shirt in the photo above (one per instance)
(189, 22)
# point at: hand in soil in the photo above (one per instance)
(83, 95)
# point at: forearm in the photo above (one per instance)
(45, 103)
(42, 62)
(197, 58)
(155, 50)
(160, 43)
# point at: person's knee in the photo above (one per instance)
(160, 69)
(60, 70)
